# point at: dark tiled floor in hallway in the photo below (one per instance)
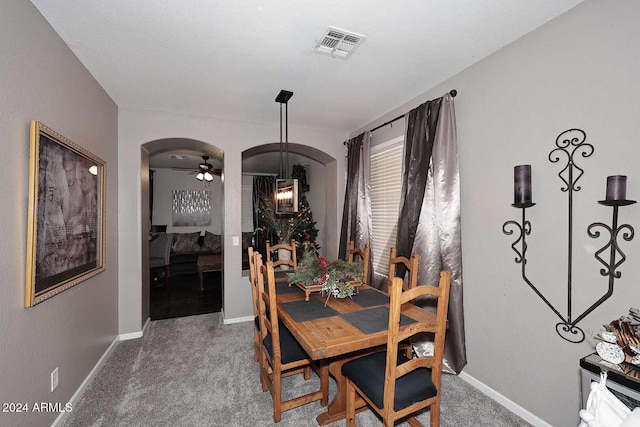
(186, 297)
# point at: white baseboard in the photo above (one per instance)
(134, 335)
(130, 336)
(59, 420)
(504, 401)
(122, 337)
(238, 320)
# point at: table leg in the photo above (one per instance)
(201, 280)
(337, 409)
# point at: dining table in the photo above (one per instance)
(334, 331)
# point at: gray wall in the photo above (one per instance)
(580, 70)
(138, 127)
(41, 79)
(166, 181)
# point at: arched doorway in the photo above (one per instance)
(184, 213)
(264, 160)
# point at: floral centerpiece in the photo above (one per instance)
(336, 277)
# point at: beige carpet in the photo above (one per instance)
(196, 371)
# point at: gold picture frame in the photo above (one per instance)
(65, 235)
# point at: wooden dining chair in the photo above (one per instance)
(410, 282)
(280, 353)
(364, 255)
(255, 263)
(393, 385)
(253, 280)
(283, 262)
(410, 264)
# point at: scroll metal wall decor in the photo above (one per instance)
(569, 145)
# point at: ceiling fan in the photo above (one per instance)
(205, 170)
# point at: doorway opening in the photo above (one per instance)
(185, 212)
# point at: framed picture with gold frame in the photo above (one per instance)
(65, 236)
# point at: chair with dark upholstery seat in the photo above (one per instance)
(253, 279)
(364, 258)
(411, 267)
(280, 353)
(159, 254)
(393, 385)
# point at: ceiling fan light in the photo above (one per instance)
(200, 176)
(208, 177)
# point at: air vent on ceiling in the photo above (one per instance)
(338, 43)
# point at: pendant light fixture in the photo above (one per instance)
(286, 197)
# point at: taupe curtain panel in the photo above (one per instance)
(429, 222)
(356, 216)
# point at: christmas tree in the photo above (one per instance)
(306, 231)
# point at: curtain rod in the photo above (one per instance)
(453, 93)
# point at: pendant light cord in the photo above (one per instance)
(281, 148)
(286, 171)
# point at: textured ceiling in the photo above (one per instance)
(230, 58)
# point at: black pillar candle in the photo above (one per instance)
(522, 184)
(616, 188)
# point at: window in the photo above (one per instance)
(386, 186)
(247, 203)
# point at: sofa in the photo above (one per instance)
(187, 247)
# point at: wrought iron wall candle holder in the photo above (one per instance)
(571, 144)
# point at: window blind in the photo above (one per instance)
(386, 185)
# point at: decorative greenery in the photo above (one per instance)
(283, 225)
(336, 277)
